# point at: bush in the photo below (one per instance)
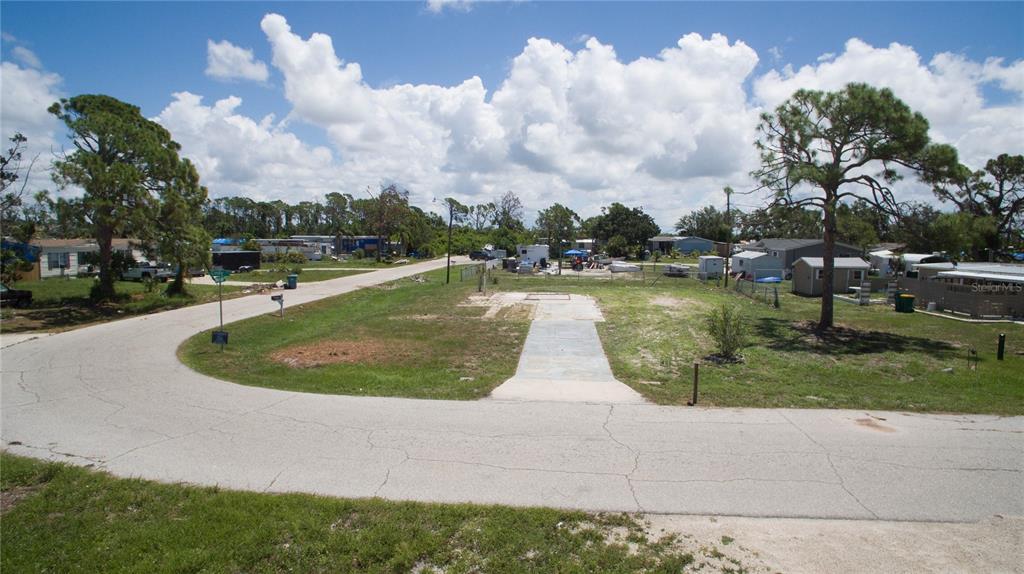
(617, 246)
(358, 253)
(725, 325)
(294, 257)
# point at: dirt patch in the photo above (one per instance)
(668, 302)
(365, 351)
(11, 497)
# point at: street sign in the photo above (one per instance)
(219, 275)
(220, 337)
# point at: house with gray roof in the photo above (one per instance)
(789, 250)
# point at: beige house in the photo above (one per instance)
(808, 271)
(65, 257)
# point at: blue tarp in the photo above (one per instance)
(1018, 256)
(769, 280)
(575, 252)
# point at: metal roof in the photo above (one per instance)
(750, 254)
(838, 262)
(785, 244)
(981, 275)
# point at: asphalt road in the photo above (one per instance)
(115, 396)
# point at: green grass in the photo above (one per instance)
(408, 339)
(271, 276)
(69, 519)
(878, 360)
(60, 304)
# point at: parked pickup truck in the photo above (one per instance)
(159, 273)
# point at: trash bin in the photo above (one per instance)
(905, 303)
(293, 281)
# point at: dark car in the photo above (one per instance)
(244, 269)
(15, 297)
(478, 256)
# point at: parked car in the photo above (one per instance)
(478, 256)
(244, 269)
(15, 297)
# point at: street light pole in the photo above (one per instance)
(728, 220)
(448, 266)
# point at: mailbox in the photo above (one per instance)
(277, 297)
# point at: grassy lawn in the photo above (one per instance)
(879, 359)
(270, 276)
(59, 518)
(402, 338)
(61, 304)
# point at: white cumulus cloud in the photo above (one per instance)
(579, 125)
(26, 56)
(947, 90)
(25, 95)
(437, 6)
(225, 61)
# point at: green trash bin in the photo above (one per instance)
(905, 303)
(293, 281)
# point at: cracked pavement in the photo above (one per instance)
(114, 396)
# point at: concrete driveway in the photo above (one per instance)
(115, 396)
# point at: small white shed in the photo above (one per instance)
(532, 254)
(710, 266)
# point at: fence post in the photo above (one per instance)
(1002, 346)
(696, 378)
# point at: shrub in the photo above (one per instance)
(294, 257)
(726, 327)
(358, 253)
(657, 256)
(617, 246)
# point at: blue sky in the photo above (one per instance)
(144, 52)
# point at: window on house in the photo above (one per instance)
(57, 260)
(819, 273)
(858, 274)
(775, 253)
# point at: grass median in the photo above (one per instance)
(59, 518)
(61, 304)
(404, 338)
(875, 359)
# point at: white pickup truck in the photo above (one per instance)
(157, 272)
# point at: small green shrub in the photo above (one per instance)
(358, 253)
(726, 327)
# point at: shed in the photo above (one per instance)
(710, 266)
(808, 271)
(756, 264)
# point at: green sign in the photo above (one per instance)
(219, 275)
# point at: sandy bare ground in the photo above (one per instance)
(796, 545)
